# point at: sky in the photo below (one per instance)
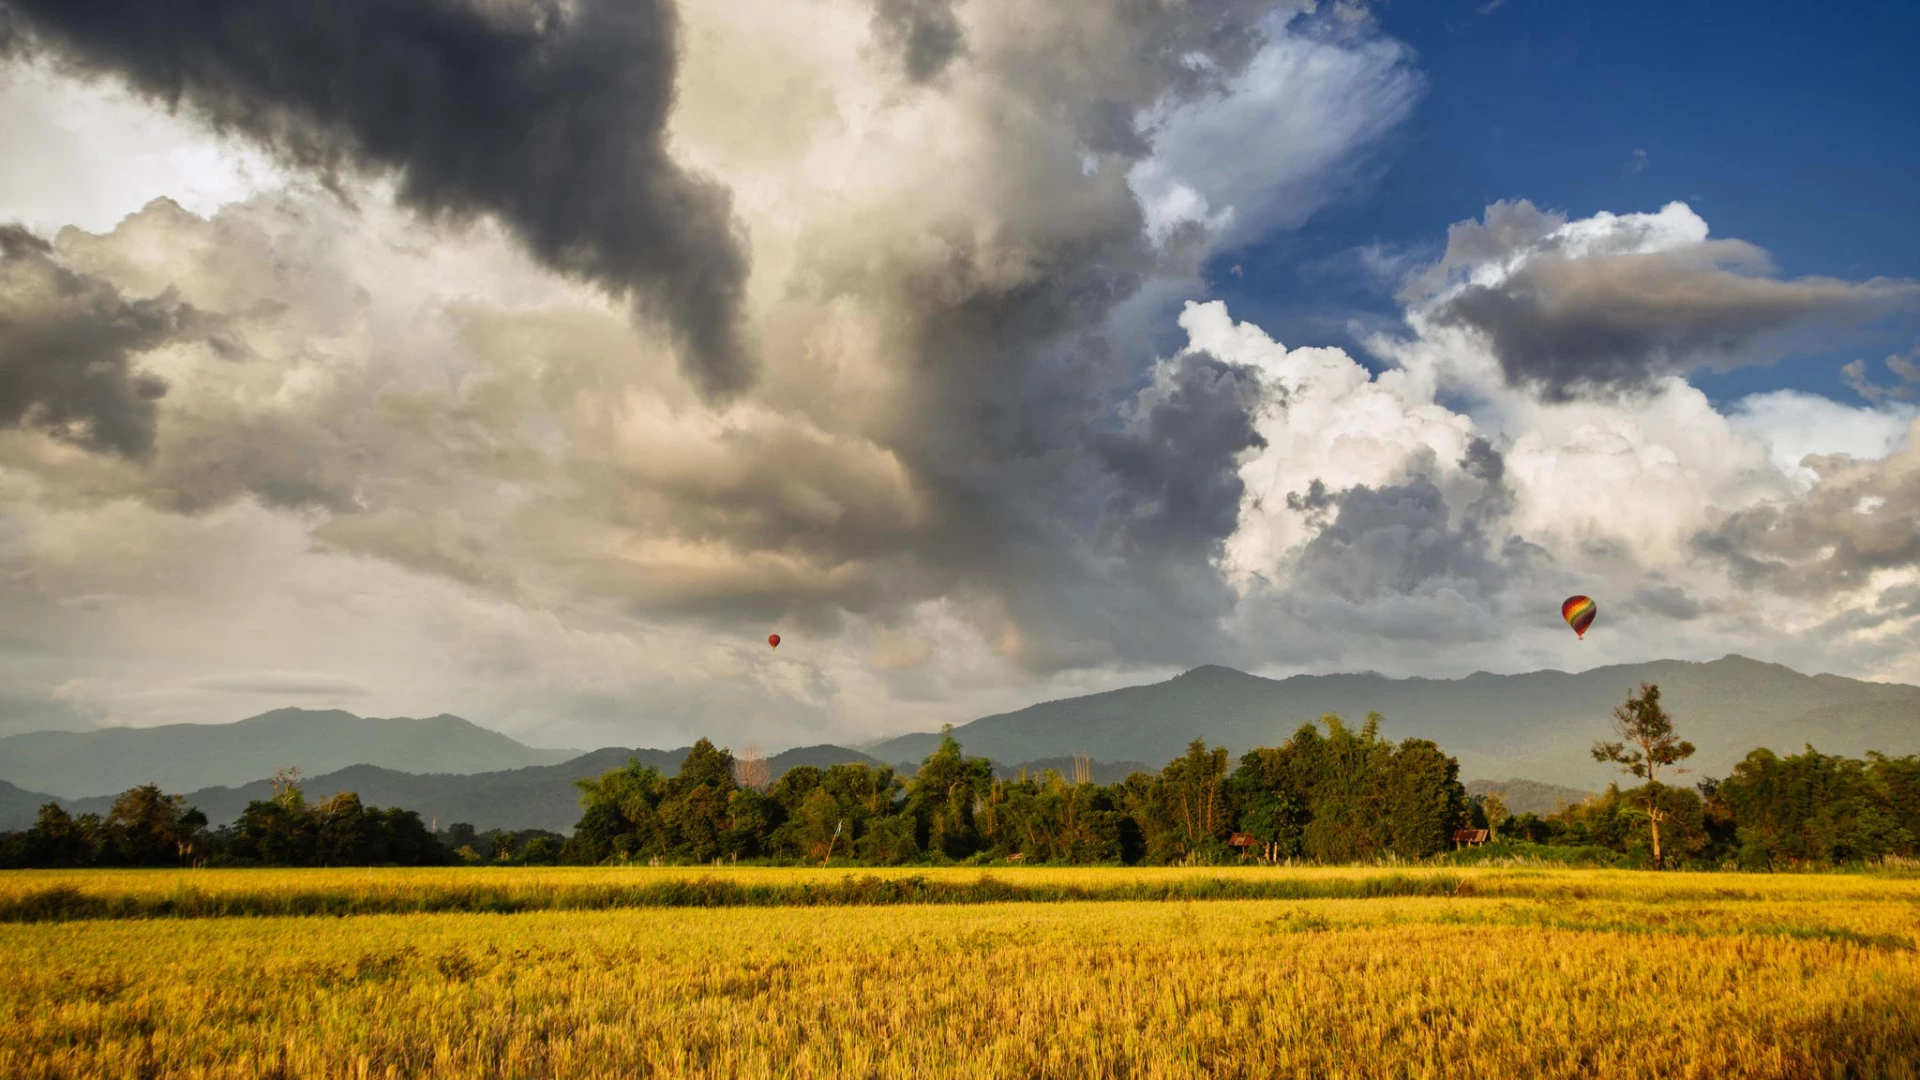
(532, 360)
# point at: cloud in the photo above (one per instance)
(1669, 601)
(1858, 524)
(550, 117)
(925, 34)
(1179, 491)
(283, 684)
(431, 465)
(67, 348)
(1636, 163)
(23, 712)
(1905, 371)
(1397, 539)
(403, 448)
(1613, 303)
(1281, 143)
(1795, 425)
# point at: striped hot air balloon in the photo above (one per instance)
(1579, 612)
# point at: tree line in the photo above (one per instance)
(148, 827)
(1341, 795)
(1330, 793)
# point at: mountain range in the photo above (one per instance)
(1535, 728)
(1538, 725)
(184, 757)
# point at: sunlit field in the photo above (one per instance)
(1492, 973)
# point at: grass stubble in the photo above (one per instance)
(1329, 973)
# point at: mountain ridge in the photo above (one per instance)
(1535, 724)
(185, 757)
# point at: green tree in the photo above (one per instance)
(1811, 808)
(1613, 820)
(1494, 809)
(1646, 744)
(56, 839)
(694, 814)
(888, 841)
(1268, 807)
(1897, 782)
(620, 815)
(942, 799)
(1422, 802)
(344, 833)
(1193, 795)
(145, 827)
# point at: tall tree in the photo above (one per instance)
(145, 827)
(1193, 791)
(1646, 744)
(620, 815)
(1270, 810)
(56, 839)
(695, 812)
(1494, 809)
(946, 792)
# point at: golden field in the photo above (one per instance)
(1511, 973)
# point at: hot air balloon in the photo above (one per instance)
(1579, 612)
(773, 640)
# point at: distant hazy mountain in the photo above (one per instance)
(186, 757)
(18, 806)
(1537, 725)
(1522, 796)
(536, 797)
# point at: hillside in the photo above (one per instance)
(186, 757)
(19, 806)
(536, 797)
(1537, 725)
(1522, 796)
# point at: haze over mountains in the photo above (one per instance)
(1533, 728)
(185, 757)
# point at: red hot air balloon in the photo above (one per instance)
(773, 640)
(1579, 612)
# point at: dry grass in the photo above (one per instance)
(1636, 975)
(55, 895)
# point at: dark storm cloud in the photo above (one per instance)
(1610, 320)
(1108, 128)
(1179, 486)
(1070, 529)
(1314, 502)
(925, 34)
(1483, 462)
(67, 343)
(1486, 464)
(552, 119)
(1397, 539)
(1013, 464)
